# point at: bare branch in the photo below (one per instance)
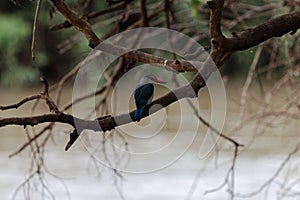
(249, 79)
(80, 24)
(32, 121)
(67, 24)
(38, 5)
(44, 95)
(275, 175)
(273, 28)
(31, 140)
(144, 16)
(20, 103)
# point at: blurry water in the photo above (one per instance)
(255, 165)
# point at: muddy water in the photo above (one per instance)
(166, 164)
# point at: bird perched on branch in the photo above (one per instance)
(143, 94)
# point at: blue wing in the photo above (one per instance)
(142, 94)
(138, 114)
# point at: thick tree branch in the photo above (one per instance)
(32, 121)
(144, 16)
(276, 27)
(219, 54)
(80, 24)
(215, 21)
(224, 47)
(67, 24)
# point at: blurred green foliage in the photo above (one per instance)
(54, 57)
(16, 65)
(14, 32)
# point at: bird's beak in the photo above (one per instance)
(160, 81)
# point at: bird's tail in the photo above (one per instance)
(138, 114)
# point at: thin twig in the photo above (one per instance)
(274, 176)
(36, 16)
(249, 80)
(20, 103)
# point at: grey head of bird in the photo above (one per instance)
(151, 78)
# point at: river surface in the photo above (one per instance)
(165, 164)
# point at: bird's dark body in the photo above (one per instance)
(142, 95)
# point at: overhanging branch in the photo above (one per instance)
(277, 27)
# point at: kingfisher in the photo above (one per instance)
(143, 94)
